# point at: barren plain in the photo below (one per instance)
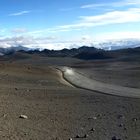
(57, 110)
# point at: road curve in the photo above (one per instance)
(81, 81)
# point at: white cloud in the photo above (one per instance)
(19, 13)
(34, 38)
(51, 30)
(118, 35)
(113, 17)
(123, 3)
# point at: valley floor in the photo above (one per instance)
(58, 111)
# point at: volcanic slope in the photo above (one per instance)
(32, 86)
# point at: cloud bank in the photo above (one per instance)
(52, 42)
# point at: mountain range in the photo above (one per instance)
(119, 49)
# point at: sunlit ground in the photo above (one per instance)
(68, 71)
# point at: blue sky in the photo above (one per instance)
(59, 23)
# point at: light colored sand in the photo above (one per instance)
(61, 79)
(82, 81)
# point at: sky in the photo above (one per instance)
(56, 24)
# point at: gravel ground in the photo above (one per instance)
(57, 111)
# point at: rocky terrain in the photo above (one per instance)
(37, 103)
